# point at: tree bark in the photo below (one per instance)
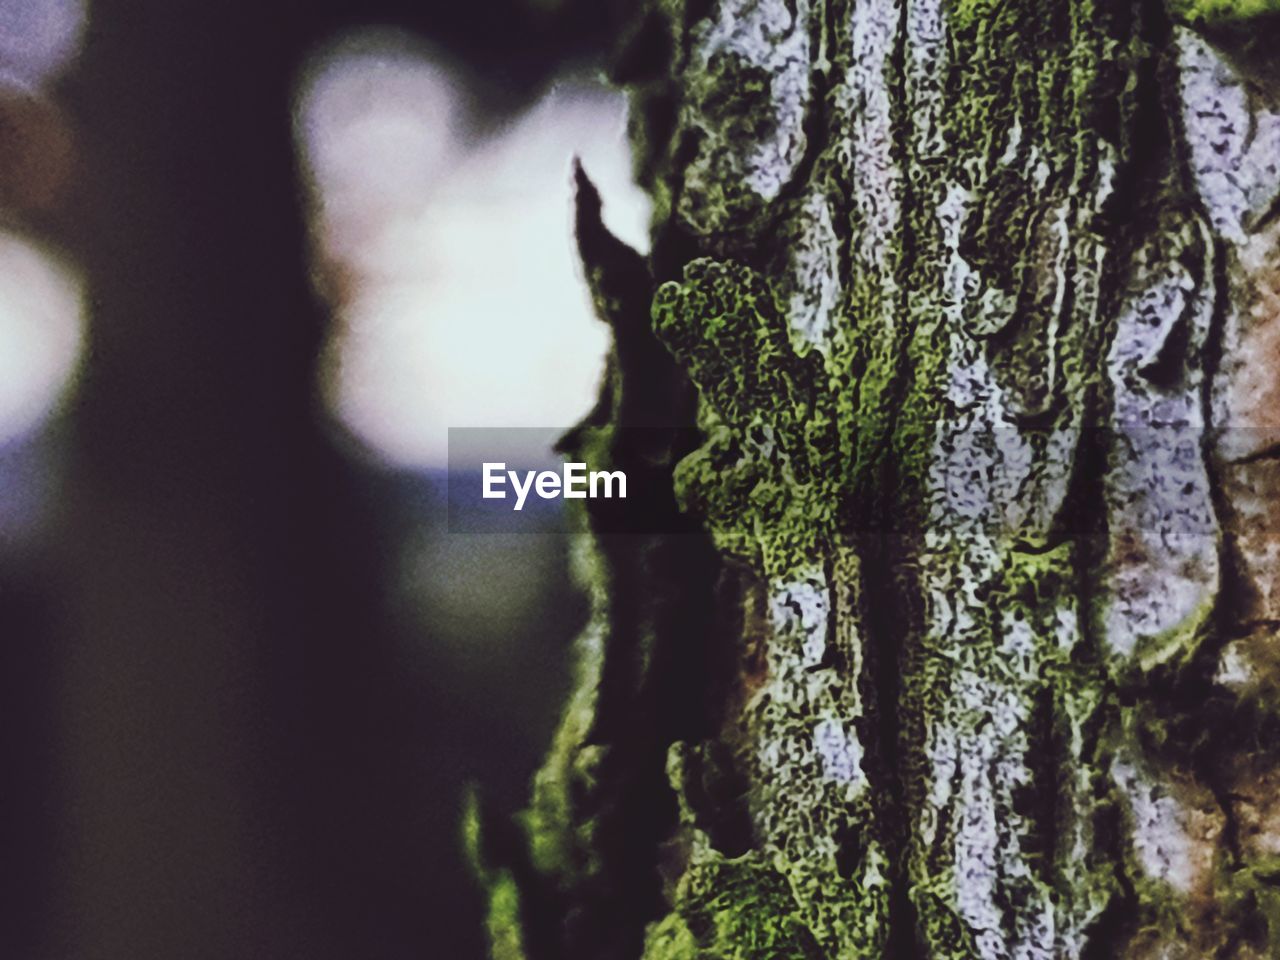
(954, 633)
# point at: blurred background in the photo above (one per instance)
(255, 258)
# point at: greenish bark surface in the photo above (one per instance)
(966, 647)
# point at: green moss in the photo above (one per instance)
(506, 938)
(948, 936)
(503, 921)
(1250, 898)
(766, 479)
(733, 909)
(1246, 911)
(671, 939)
(473, 832)
(559, 837)
(966, 12)
(761, 904)
(725, 908)
(1177, 646)
(1222, 11)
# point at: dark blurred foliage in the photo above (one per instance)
(224, 735)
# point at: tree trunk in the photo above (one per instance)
(967, 645)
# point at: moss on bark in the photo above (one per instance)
(960, 653)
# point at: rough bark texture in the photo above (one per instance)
(968, 647)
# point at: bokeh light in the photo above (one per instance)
(42, 329)
(39, 38)
(447, 254)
